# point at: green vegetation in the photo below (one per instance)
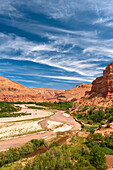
(5, 107)
(13, 114)
(58, 106)
(94, 115)
(22, 102)
(9, 110)
(75, 156)
(105, 143)
(14, 154)
(54, 144)
(34, 107)
(80, 154)
(90, 129)
(50, 105)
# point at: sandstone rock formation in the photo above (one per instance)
(101, 93)
(74, 93)
(103, 86)
(12, 91)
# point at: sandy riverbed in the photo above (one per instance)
(58, 122)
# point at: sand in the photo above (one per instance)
(19, 128)
(53, 124)
(58, 122)
(63, 128)
(66, 115)
(35, 113)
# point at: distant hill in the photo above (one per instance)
(74, 93)
(12, 91)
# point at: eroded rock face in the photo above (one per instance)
(74, 93)
(12, 91)
(103, 86)
(101, 93)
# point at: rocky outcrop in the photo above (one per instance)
(103, 86)
(101, 93)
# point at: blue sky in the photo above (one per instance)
(55, 43)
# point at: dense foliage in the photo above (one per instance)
(57, 105)
(9, 110)
(36, 107)
(72, 157)
(105, 143)
(5, 107)
(50, 105)
(13, 114)
(79, 155)
(14, 154)
(94, 115)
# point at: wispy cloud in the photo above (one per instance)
(55, 53)
(76, 40)
(68, 78)
(8, 8)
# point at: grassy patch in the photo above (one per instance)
(2, 115)
(17, 153)
(88, 128)
(34, 107)
(55, 105)
(107, 150)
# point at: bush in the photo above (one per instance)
(97, 116)
(54, 144)
(108, 125)
(85, 108)
(90, 122)
(82, 126)
(107, 150)
(90, 111)
(74, 114)
(100, 126)
(92, 131)
(98, 158)
(55, 105)
(14, 154)
(37, 142)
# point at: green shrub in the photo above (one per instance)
(108, 125)
(92, 131)
(82, 126)
(107, 150)
(54, 144)
(14, 154)
(57, 105)
(98, 158)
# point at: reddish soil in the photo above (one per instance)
(109, 161)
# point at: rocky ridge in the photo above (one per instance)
(12, 92)
(74, 93)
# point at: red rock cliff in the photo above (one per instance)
(101, 93)
(103, 86)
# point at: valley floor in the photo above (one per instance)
(41, 124)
